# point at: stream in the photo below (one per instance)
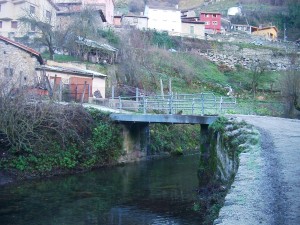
(149, 192)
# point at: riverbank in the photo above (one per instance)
(267, 184)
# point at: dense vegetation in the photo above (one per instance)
(40, 138)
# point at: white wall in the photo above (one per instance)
(164, 19)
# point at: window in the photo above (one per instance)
(206, 15)
(135, 20)
(0, 24)
(32, 9)
(191, 29)
(8, 72)
(32, 27)
(14, 24)
(214, 15)
(207, 23)
(214, 22)
(48, 15)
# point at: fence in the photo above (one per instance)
(187, 104)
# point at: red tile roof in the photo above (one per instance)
(23, 47)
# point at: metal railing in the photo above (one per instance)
(186, 104)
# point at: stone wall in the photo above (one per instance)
(22, 65)
(232, 55)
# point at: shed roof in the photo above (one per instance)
(24, 48)
(94, 44)
(75, 71)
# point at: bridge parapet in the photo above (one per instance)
(186, 104)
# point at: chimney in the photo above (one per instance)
(176, 6)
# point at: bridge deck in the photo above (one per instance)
(163, 118)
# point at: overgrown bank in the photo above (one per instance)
(219, 164)
(41, 139)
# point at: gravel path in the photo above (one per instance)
(266, 189)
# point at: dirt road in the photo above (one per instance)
(266, 189)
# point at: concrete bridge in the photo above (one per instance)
(136, 113)
(136, 130)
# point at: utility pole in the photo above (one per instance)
(284, 32)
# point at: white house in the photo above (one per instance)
(164, 19)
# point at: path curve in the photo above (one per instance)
(266, 189)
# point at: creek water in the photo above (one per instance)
(149, 192)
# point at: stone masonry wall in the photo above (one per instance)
(22, 63)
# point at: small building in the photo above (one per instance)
(17, 63)
(269, 33)
(135, 21)
(117, 21)
(212, 22)
(234, 11)
(244, 28)
(192, 27)
(164, 18)
(96, 52)
(73, 84)
(66, 18)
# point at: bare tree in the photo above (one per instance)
(43, 27)
(258, 75)
(290, 88)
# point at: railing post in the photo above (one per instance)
(202, 103)
(136, 94)
(170, 104)
(144, 105)
(193, 106)
(221, 102)
(120, 103)
(112, 92)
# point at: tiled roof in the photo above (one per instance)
(23, 47)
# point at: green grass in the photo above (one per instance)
(60, 58)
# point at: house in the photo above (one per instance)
(117, 20)
(106, 6)
(164, 18)
(17, 63)
(65, 18)
(212, 22)
(241, 27)
(135, 21)
(12, 11)
(192, 27)
(270, 32)
(70, 83)
(96, 52)
(187, 13)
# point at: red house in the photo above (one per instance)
(212, 22)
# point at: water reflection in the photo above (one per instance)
(152, 192)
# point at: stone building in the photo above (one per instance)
(18, 63)
(135, 21)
